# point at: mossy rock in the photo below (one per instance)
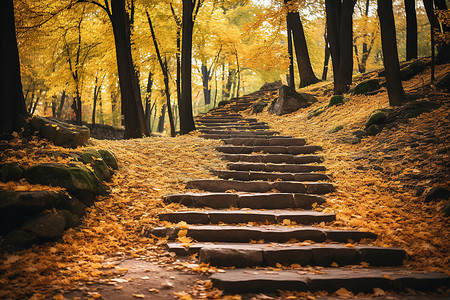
(76, 178)
(367, 86)
(373, 129)
(109, 158)
(337, 128)
(412, 69)
(377, 117)
(18, 240)
(94, 159)
(49, 225)
(335, 100)
(10, 172)
(71, 219)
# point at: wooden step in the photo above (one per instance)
(222, 185)
(273, 141)
(246, 200)
(305, 217)
(269, 149)
(268, 233)
(331, 280)
(249, 255)
(252, 175)
(274, 158)
(290, 168)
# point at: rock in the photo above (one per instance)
(377, 117)
(109, 158)
(373, 129)
(18, 206)
(416, 108)
(71, 219)
(335, 100)
(95, 160)
(10, 172)
(337, 128)
(367, 86)
(289, 101)
(259, 106)
(438, 192)
(76, 178)
(18, 240)
(269, 86)
(60, 133)
(47, 226)
(412, 69)
(444, 83)
(359, 133)
(350, 140)
(223, 103)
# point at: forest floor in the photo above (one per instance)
(381, 184)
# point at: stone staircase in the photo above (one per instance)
(258, 217)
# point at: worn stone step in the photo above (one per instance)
(252, 175)
(228, 149)
(246, 200)
(247, 136)
(274, 158)
(331, 280)
(240, 133)
(268, 233)
(248, 255)
(223, 185)
(273, 141)
(221, 119)
(244, 216)
(290, 168)
(236, 127)
(230, 123)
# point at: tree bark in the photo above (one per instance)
(205, 81)
(305, 70)
(129, 84)
(61, 104)
(326, 60)
(390, 53)
(160, 127)
(291, 82)
(411, 29)
(185, 103)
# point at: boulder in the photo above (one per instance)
(109, 158)
(71, 219)
(289, 101)
(259, 106)
(351, 140)
(270, 86)
(438, 192)
(49, 225)
(60, 133)
(367, 86)
(412, 69)
(10, 172)
(376, 117)
(18, 240)
(76, 178)
(335, 100)
(373, 129)
(94, 159)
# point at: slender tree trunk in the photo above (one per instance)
(61, 104)
(390, 54)
(33, 109)
(205, 81)
(148, 107)
(411, 29)
(291, 55)
(160, 127)
(326, 60)
(129, 84)
(305, 70)
(185, 103)
(231, 79)
(94, 104)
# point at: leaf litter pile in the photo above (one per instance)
(381, 183)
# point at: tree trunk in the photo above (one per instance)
(326, 60)
(231, 79)
(305, 70)
(291, 78)
(148, 104)
(128, 81)
(339, 24)
(390, 54)
(94, 104)
(185, 103)
(160, 127)
(205, 80)
(411, 29)
(61, 105)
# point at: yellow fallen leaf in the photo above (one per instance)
(139, 296)
(182, 233)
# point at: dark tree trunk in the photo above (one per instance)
(305, 70)
(362, 62)
(390, 54)
(339, 24)
(291, 54)
(411, 29)
(94, 105)
(160, 127)
(129, 83)
(61, 105)
(205, 80)
(148, 97)
(326, 60)
(230, 81)
(185, 103)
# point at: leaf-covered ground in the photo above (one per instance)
(381, 186)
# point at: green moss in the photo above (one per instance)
(10, 172)
(335, 100)
(377, 117)
(367, 86)
(373, 129)
(94, 158)
(337, 128)
(109, 158)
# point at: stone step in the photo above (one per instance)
(248, 255)
(273, 141)
(237, 122)
(221, 119)
(331, 280)
(290, 168)
(268, 233)
(240, 133)
(269, 149)
(244, 216)
(252, 175)
(274, 158)
(245, 135)
(246, 200)
(223, 185)
(233, 126)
